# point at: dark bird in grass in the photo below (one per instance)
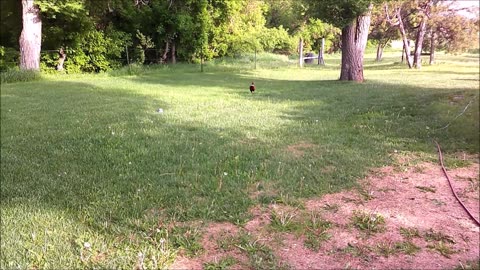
(252, 88)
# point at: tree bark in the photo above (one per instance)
(417, 56)
(354, 41)
(31, 37)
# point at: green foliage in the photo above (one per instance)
(339, 13)
(8, 58)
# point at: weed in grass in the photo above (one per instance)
(386, 249)
(470, 265)
(186, 239)
(407, 247)
(427, 189)
(443, 248)
(366, 194)
(360, 251)
(283, 220)
(260, 256)
(368, 222)
(432, 235)
(410, 232)
(316, 231)
(227, 242)
(223, 264)
(331, 207)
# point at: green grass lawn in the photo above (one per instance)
(91, 174)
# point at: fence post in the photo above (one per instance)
(300, 45)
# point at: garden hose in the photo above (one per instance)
(450, 184)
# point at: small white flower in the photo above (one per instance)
(395, 151)
(113, 132)
(87, 245)
(130, 163)
(225, 173)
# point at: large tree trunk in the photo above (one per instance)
(354, 41)
(417, 57)
(31, 36)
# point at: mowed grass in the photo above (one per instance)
(93, 176)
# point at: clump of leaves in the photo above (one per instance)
(368, 222)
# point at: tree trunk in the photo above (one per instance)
(432, 47)
(417, 57)
(31, 37)
(406, 44)
(300, 52)
(379, 52)
(61, 59)
(321, 60)
(165, 53)
(354, 41)
(173, 52)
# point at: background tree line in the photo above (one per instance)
(92, 36)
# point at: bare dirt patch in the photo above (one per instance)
(299, 149)
(424, 226)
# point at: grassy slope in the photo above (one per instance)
(87, 158)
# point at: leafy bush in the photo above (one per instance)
(8, 58)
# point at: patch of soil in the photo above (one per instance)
(298, 150)
(418, 198)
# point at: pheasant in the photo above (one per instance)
(252, 88)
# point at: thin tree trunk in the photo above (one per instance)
(61, 59)
(321, 60)
(165, 53)
(300, 52)
(31, 37)
(174, 59)
(354, 41)
(432, 47)
(406, 45)
(417, 57)
(379, 52)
